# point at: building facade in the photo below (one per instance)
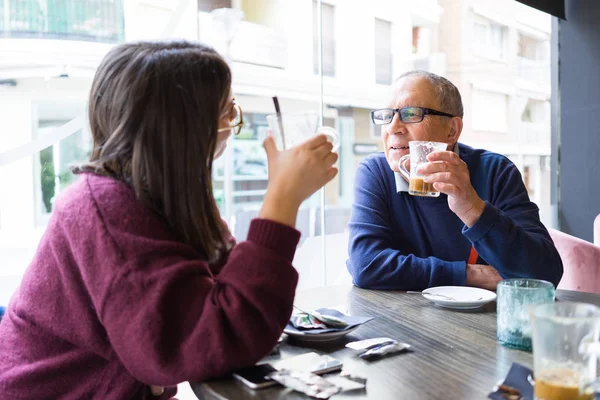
(498, 54)
(498, 59)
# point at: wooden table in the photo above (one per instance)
(454, 354)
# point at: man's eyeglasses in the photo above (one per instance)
(237, 121)
(408, 115)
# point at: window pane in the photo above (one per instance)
(488, 38)
(383, 52)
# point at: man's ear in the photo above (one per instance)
(456, 125)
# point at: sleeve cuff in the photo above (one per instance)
(459, 273)
(488, 218)
(278, 237)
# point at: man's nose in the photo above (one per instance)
(396, 126)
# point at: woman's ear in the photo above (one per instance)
(456, 125)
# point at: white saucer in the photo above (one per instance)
(319, 337)
(460, 297)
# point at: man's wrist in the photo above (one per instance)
(469, 269)
(470, 217)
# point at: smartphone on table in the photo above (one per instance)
(255, 377)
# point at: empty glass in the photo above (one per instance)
(294, 128)
(514, 297)
(565, 350)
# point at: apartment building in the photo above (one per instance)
(498, 54)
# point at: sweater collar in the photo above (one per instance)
(402, 183)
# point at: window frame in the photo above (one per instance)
(325, 40)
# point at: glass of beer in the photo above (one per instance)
(566, 348)
(418, 155)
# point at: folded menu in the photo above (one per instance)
(350, 320)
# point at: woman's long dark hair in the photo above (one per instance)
(154, 111)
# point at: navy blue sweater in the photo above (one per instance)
(399, 241)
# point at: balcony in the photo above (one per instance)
(534, 71)
(252, 43)
(535, 137)
(83, 20)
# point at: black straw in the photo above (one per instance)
(279, 119)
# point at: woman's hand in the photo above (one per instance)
(294, 175)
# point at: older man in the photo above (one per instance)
(481, 229)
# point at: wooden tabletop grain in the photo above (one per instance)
(454, 354)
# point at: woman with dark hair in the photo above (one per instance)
(137, 280)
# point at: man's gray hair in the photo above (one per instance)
(447, 94)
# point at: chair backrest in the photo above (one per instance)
(581, 262)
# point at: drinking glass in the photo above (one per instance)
(292, 128)
(419, 151)
(514, 296)
(565, 350)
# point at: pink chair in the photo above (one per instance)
(581, 261)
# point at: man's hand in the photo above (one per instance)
(450, 175)
(482, 276)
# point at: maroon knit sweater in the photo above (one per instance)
(112, 302)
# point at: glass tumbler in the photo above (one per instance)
(514, 298)
(292, 128)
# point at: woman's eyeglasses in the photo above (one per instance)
(237, 121)
(408, 115)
